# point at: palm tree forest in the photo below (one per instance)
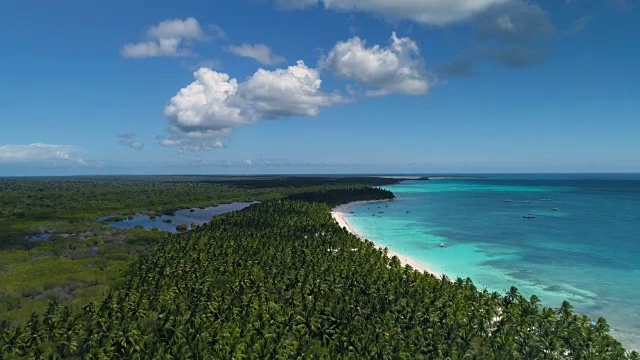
(282, 280)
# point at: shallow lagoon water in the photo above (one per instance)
(38, 237)
(184, 216)
(587, 251)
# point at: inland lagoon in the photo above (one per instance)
(172, 222)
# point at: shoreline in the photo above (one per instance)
(339, 215)
(624, 335)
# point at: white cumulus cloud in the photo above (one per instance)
(170, 38)
(398, 68)
(287, 92)
(157, 48)
(176, 29)
(207, 110)
(428, 12)
(169, 142)
(259, 52)
(38, 152)
(208, 103)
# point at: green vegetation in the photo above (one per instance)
(72, 204)
(335, 197)
(85, 258)
(66, 269)
(281, 280)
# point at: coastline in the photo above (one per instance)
(339, 215)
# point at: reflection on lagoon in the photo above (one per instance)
(182, 217)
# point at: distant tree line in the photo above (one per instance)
(336, 196)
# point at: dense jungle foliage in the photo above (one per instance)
(84, 258)
(72, 204)
(281, 280)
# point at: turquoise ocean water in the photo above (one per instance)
(586, 251)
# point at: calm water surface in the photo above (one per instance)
(185, 216)
(583, 244)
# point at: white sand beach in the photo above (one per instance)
(339, 214)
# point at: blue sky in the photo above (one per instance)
(328, 86)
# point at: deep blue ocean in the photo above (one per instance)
(583, 244)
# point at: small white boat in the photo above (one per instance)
(441, 245)
(530, 216)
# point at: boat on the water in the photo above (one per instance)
(507, 200)
(530, 216)
(555, 209)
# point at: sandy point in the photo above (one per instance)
(340, 216)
